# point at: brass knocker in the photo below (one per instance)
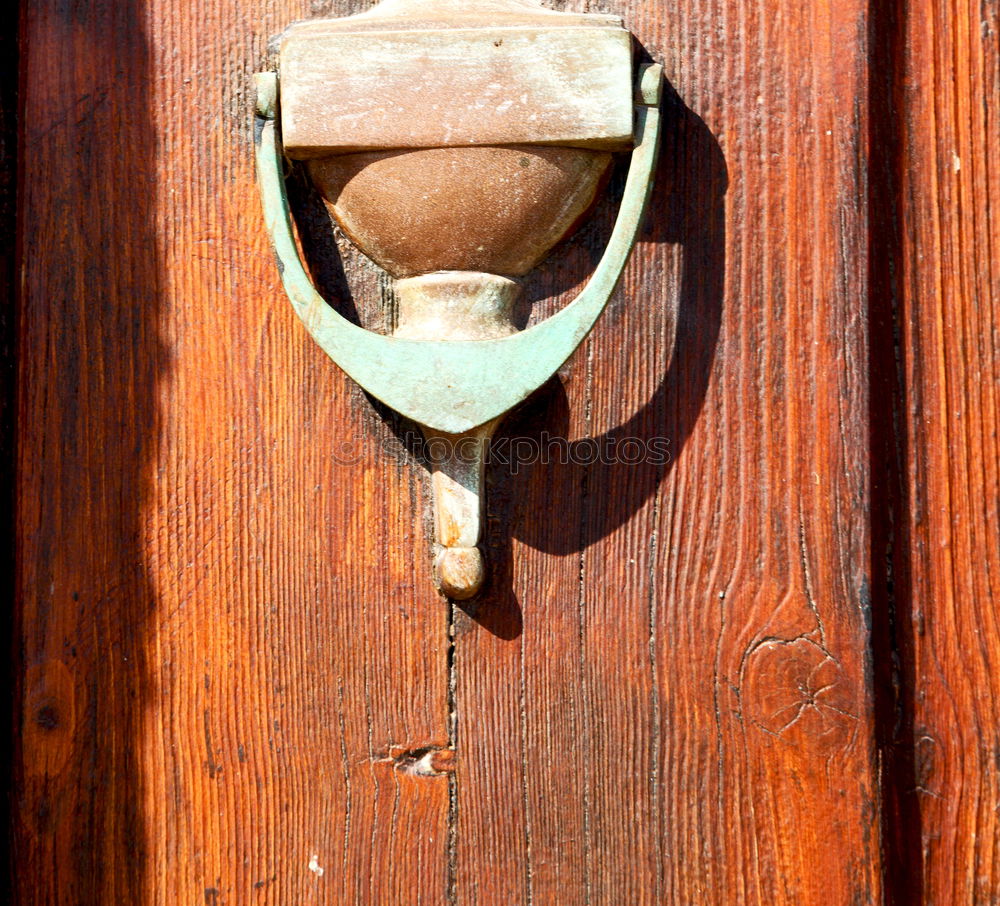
(428, 104)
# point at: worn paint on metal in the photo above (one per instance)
(448, 73)
(454, 386)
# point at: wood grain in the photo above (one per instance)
(9, 678)
(942, 455)
(673, 705)
(235, 682)
(230, 672)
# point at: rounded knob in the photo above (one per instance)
(460, 572)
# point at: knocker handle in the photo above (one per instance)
(455, 386)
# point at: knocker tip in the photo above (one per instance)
(459, 572)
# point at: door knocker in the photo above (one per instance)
(456, 144)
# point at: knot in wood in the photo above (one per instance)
(795, 689)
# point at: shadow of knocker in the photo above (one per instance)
(566, 504)
(575, 493)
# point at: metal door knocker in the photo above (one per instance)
(456, 145)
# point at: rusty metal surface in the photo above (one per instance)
(513, 203)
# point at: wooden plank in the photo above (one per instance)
(230, 674)
(663, 699)
(944, 77)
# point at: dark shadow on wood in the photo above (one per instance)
(891, 656)
(687, 208)
(90, 359)
(591, 493)
(8, 409)
(318, 238)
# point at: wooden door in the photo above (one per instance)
(758, 670)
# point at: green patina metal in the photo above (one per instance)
(454, 386)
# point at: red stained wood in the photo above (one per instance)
(236, 683)
(943, 464)
(224, 661)
(684, 716)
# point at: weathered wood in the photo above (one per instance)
(233, 690)
(9, 629)
(942, 453)
(672, 706)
